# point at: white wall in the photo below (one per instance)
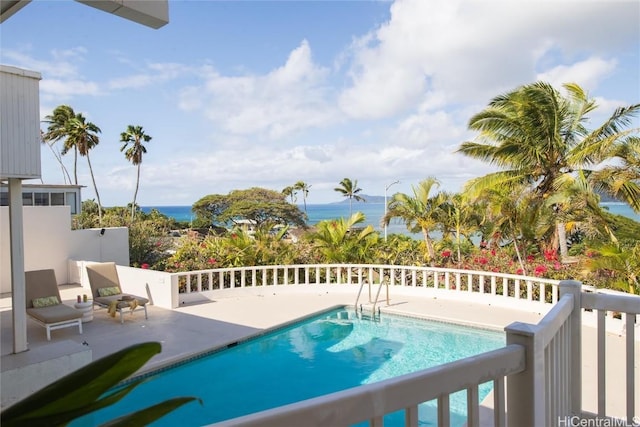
(49, 242)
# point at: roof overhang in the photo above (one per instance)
(9, 7)
(152, 13)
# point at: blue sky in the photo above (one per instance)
(239, 94)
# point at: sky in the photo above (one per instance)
(241, 94)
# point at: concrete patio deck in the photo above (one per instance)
(198, 328)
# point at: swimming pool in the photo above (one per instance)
(329, 352)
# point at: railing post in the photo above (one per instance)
(175, 295)
(526, 405)
(574, 288)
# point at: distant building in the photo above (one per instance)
(46, 195)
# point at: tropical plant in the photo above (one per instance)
(57, 130)
(459, 219)
(339, 243)
(87, 390)
(421, 212)
(350, 189)
(132, 140)
(617, 265)
(78, 134)
(82, 136)
(621, 178)
(56, 153)
(290, 192)
(304, 188)
(537, 136)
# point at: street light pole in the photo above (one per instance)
(385, 206)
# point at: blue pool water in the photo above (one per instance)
(330, 352)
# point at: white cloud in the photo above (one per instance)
(448, 51)
(586, 73)
(66, 89)
(288, 99)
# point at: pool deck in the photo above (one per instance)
(198, 328)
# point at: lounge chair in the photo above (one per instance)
(107, 293)
(44, 304)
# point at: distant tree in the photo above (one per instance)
(132, 140)
(350, 189)
(82, 136)
(57, 122)
(338, 243)
(78, 134)
(421, 212)
(56, 153)
(304, 188)
(290, 192)
(259, 205)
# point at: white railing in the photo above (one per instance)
(464, 281)
(629, 307)
(542, 365)
(550, 388)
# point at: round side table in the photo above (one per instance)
(87, 310)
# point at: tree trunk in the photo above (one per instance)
(135, 194)
(429, 244)
(515, 244)
(75, 164)
(562, 240)
(95, 187)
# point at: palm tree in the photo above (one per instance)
(57, 130)
(290, 192)
(537, 136)
(133, 138)
(338, 244)
(460, 218)
(304, 188)
(58, 156)
(82, 136)
(420, 212)
(350, 189)
(622, 179)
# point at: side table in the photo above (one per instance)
(87, 310)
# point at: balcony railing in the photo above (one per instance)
(428, 278)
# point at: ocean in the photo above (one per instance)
(373, 214)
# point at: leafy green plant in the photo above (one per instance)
(85, 391)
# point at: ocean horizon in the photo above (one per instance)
(373, 213)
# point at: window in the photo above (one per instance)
(27, 199)
(4, 199)
(71, 201)
(41, 199)
(57, 199)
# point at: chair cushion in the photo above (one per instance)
(54, 313)
(107, 292)
(106, 301)
(45, 301)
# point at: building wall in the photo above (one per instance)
(49, 242)
(19, 123)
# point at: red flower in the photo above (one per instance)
(211, 261)
(493, 252)
(530, 258)
(483, 260)
(540, 270)
(550, 255)
(144, 266)
(519, 271)
(446, 253)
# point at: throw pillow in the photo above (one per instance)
(45, 301)
(107, 292)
